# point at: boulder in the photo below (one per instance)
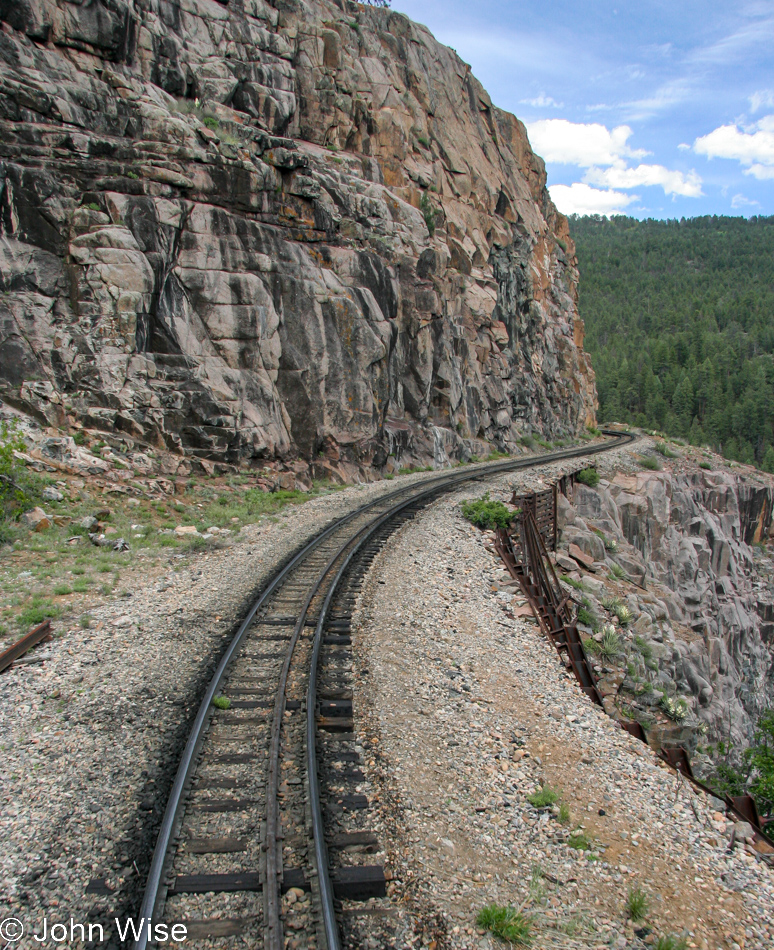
(36, 519)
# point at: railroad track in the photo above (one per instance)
(261, 838)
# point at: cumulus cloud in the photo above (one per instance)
(752, 147)
(673, 182)
(580, 198)
(578, 143)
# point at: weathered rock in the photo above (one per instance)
(355, 251)
(704, 618)
(36, 519)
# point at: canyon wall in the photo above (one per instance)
(295, 233)
(699, 589)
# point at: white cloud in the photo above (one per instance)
(761, 172)
(584, 144)
(739, 201)
(684, 147)
(752, 147)
(543, 102)
(673, 182)
(579, 198)
(763, 99)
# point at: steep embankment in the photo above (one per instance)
(679, 548)
(296, 232)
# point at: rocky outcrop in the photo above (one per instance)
(699, 595)
(296, 230)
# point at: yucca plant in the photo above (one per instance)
(611, 643)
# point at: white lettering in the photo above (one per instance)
(179, 932)
(73, 928)
(59, 929)
(45, 929)
(136, 931)
(101, 933)
(161, 932)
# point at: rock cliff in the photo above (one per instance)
(684, 556)
(287, 233)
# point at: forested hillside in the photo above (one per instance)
(680, 326)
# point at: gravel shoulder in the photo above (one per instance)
(466, 711)
(93, 727)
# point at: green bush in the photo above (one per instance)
(542, 799)
(221, 702)
(17, 487)
(211, 122)
(487, 514)
(589, 477)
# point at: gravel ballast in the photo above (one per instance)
(468, 711)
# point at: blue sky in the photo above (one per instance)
(654, 109)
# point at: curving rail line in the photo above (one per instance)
(300, 595)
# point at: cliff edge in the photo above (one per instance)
(297, 234)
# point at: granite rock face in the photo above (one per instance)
(295, 231)
(701, 603)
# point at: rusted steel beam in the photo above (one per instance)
(41, 632)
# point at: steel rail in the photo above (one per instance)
(155, 889)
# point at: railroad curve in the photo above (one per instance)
(270, 671)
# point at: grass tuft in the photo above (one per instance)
(637, 903)
(221, 702)
(505, 922)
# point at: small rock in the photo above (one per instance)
(186, 530)
(51, 494)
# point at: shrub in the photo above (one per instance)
(624, 614)
(593, 431)
(663, 449)
(62, 590)
(211, 122)
(429, 212)
(706, 466)
(637, 903)
(487, 514)
(587, 618)
(564, 814)
(221, 702)
(542, 799)
(644, 647)
(505, 922)
(649, 462)
(591, 646)
(16, 487)
(588, 477)
(577, 585)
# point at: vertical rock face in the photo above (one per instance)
(296, 231)
(706, 616)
